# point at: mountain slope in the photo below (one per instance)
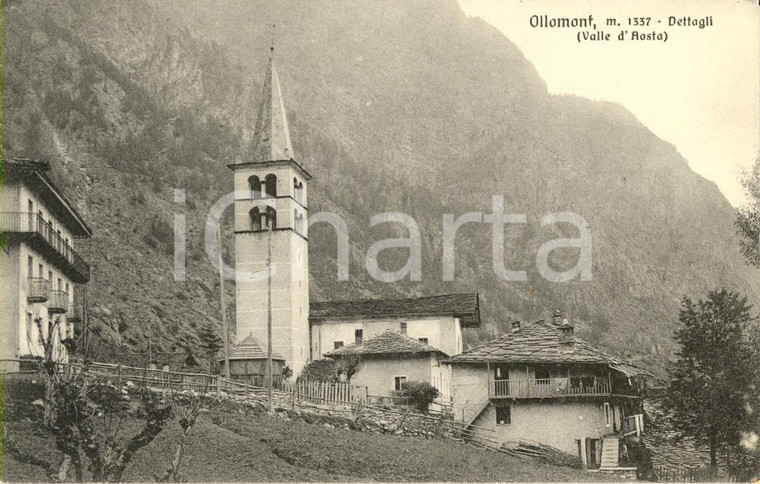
(393, 107)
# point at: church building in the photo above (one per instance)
(271, 225)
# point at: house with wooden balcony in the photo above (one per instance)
(40, 267)
(542, 383)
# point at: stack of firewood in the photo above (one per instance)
(525, 449)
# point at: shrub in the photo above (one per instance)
(320, 370)
(420, 394)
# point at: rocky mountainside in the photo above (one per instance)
(393, 106)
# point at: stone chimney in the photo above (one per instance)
(566, 333)
(557, 318)
(515, 326)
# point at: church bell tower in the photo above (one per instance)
(271, 224)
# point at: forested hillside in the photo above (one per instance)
(393, 106)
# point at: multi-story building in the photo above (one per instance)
(542, 383)
(39, 266)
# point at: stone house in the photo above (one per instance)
(542, 383)
(389, 359)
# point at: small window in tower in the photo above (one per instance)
(255, 219)
(271, 218)
(358, 336)
(255, 184)
(271, 185)
(337, 344)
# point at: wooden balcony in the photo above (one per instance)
(75, 314)
(37, 290)
(632, 425)
(550, 388)
(34, 230)
(58, 302)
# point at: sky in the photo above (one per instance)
(699, 90)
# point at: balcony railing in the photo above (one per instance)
(38, 290)
(632, 425)
(58, 303)
(549, 388)
(75, 314)
(44, 238)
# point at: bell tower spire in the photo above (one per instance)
(271, 140)
(271, 233)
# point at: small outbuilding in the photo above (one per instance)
(248, 362)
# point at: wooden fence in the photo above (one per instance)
(318, 392)
(352, 399)
(665, 474)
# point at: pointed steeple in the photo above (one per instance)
(271, 140)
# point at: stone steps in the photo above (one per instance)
(610, 451)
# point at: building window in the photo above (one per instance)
(423, 340)
(255, 219)
(403, 328)
(607, 415)
(358, 336)
(255, 184)
(270, 183)
(542, 373)
(29, 327)
(337, 344)
(504, 415)
(298, 190)
(398, 381)
(499, 373)
(271, 218)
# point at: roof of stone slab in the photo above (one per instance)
(464, 306)
(540, 343)
(386, 343)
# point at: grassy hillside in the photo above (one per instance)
(393, 107)
(234, 443)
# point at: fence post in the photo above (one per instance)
(118, 377)
(293, 398)
(219, 387)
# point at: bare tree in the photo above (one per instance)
(186, 409)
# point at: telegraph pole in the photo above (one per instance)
(225, 329)
(269, 316)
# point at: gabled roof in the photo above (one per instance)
(252, 349)
(464, 306)
(271, 140)
(539, 343)
(386, 343)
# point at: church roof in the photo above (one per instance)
(271, 140)
(464, 306)
(252, 349)
(386, 343)
(540, 343)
